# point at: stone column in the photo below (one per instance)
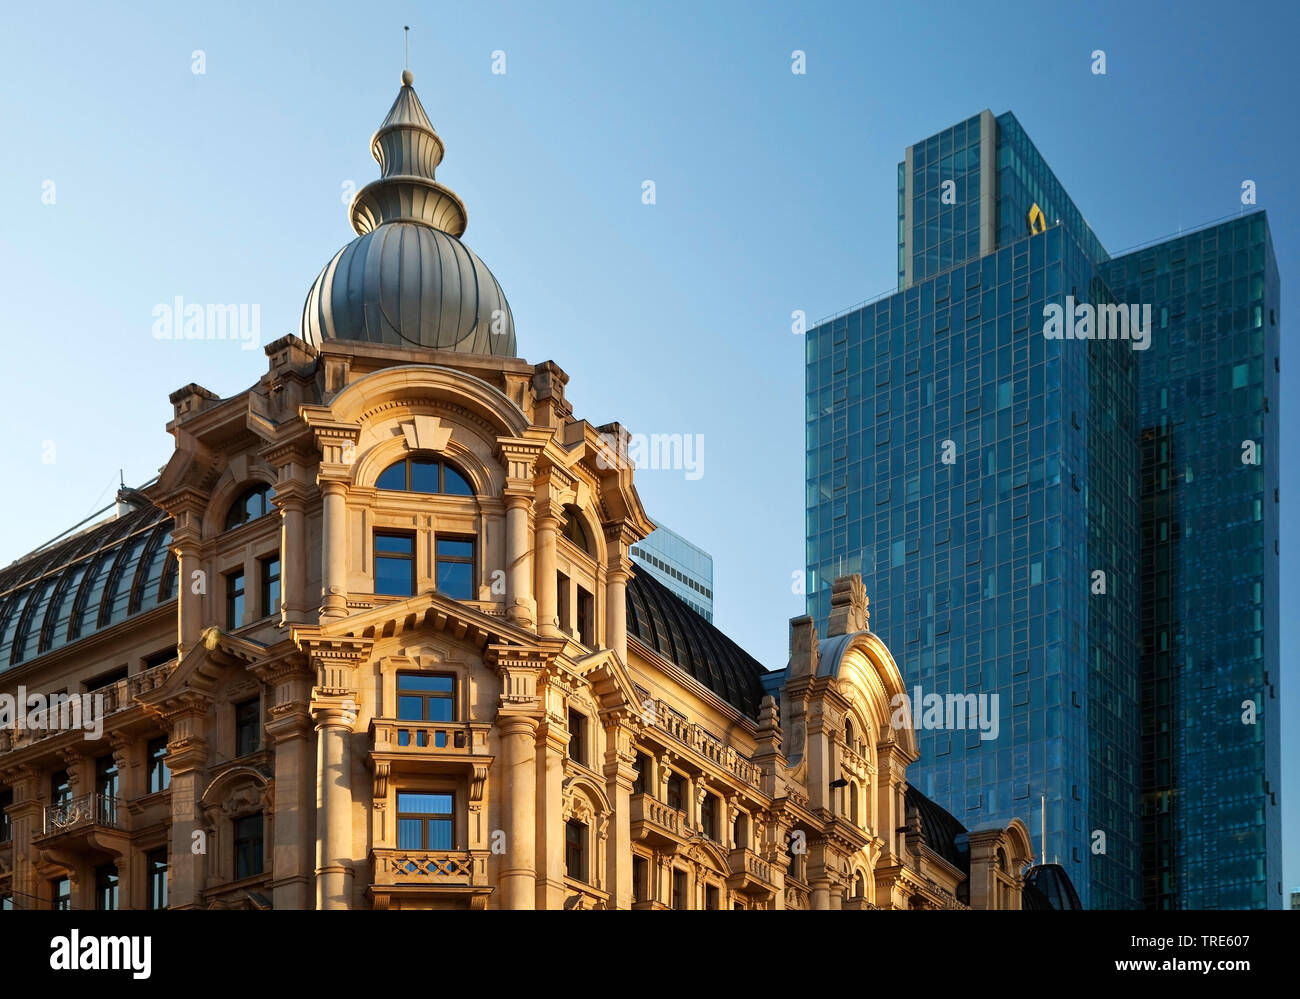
(519, 598)
(295, 602)
(617, 570)
(191, 585)
(519, 456)
(552, 745)
(334, 514)
(545, 527)
(334, 718)
(26, 818)
(519, 777)
(290, 731)
(185, 718)
(620, 774)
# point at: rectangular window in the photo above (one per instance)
(107, 784)
(6, 830)
(676, 791)
(709, 817)
(578, 737)
(586, 618)
(575, 841)
(425, 821)
(156, 871)
(234, 599)
(248, 846)
(640, 879)
(270, 585)
(248, 727)
(425, 697)
(60, 788)
(106, 887)
(711, 897)
(394, 564)
(642, 765)
(679, 889)
(61, 895)
(455, 570)
(160, 775)
(562, 601)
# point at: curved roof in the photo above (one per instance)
(661, 620)
(1051, 888)
(943, 833)
(407, 280)
(94, 580)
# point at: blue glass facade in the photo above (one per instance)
(988, 483)
(1209, 553)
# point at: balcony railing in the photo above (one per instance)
(677, 727)
(421, 737)
(748, 864)
(650, 815)
(117, 696)
(121, 695)
(94, 809)
(436, 868)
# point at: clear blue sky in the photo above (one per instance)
(775, 192)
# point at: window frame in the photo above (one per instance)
(426, 458)
(377, 555)
(236, 599)
(263, 491)
(246, 724)
(449, 817)
(427, 696)
(266, 580)
(471, 560)
(576, 846)
(242, 839)
(158, 767)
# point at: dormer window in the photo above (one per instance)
(252, 504)
(423, 474)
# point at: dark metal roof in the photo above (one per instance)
(1051, 888)
(661, 620)
(71, 589)
(943, 833)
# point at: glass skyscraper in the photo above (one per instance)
(684, 568)
(989, 483)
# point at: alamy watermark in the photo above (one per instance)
(946, 711)
(1098, 322)
(670, 452)
(56, 712)
(178, 321)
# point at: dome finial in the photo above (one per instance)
(407, 78)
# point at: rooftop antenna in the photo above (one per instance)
(1043, 816)
(406, 36)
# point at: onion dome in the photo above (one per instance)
(407, 279)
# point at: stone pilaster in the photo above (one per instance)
(291, 735)
(620, 774)
(333, 708)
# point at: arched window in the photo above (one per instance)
(424, 474)
(859, 886)
(848, 733)
(576, 532)
(252, 503)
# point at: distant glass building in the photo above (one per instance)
(682, 567)
(989, 484)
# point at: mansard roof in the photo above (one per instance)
(74, 587)
(665, 623)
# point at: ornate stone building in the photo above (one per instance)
(372, 639)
